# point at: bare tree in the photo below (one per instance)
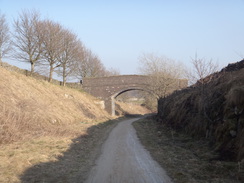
(89, 65)
(96, 67)
(112, 72)
(52, 33)
(80, 65)
(201, 69)
(69, 54)
(5, 41)
(164, 74)
(202, 73)
(28, 38)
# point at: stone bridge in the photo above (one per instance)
(108, 88)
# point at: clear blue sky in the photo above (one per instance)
(120, 31)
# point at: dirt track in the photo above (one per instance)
(124, 159)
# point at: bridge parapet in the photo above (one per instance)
(114, 80)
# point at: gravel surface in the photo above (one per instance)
(124, 159)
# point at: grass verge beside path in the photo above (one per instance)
(184, 159)
(53, 159)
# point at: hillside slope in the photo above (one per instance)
(31, 108)
(43, 123)
(48, 133)
(214, 110)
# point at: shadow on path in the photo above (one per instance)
(74, 165)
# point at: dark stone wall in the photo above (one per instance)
(107, 86)
(114, 80)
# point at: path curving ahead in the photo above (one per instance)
(124, 160)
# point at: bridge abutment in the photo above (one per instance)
(110, 105)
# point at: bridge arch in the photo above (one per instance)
(113, 97)
(108, 88)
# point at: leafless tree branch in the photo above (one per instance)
(164, 73)
(5, 41)
(28, 38)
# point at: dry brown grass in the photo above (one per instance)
(49, 133)
(38, 121)
(53, 159)
(185, 159)
(18, 156)
(31, 108)
(131, 109)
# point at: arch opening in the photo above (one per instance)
(114, 96)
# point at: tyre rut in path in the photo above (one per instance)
(124, 160)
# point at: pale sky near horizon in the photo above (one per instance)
(120, 31)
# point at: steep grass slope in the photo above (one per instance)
(214, 110)
(40, 122)
(48, 133)
(32, 108)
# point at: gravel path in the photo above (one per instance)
(124, 160)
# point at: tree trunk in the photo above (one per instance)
(64, 74)
(51, 73)
(32, 67)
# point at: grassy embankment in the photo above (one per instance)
(186, 160)
(41, 122)
(49, 133)
(199, 133)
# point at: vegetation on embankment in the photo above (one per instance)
(213, 110)
(38, 121)
(48, 133)
(31, 108)
(54, 159)
(186, 160)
